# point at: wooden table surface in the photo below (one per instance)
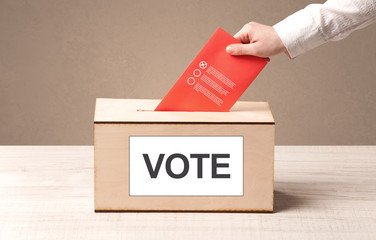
(321, 192)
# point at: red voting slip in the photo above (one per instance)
(214, 80)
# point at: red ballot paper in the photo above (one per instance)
(214, 80)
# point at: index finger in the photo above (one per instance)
(242, 35)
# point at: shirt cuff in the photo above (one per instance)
(299, 32)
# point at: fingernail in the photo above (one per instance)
(229, 49)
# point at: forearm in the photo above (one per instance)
(319, 23)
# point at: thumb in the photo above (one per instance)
(241, 49)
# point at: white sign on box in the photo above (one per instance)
(186, 166)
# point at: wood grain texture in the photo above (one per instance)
(326, 192)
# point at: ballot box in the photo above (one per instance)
(146, 160)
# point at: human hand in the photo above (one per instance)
(258, 40)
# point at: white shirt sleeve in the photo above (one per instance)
(319, 23)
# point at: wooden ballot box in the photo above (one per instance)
(183, 161)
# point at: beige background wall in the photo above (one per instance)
(56, 57)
